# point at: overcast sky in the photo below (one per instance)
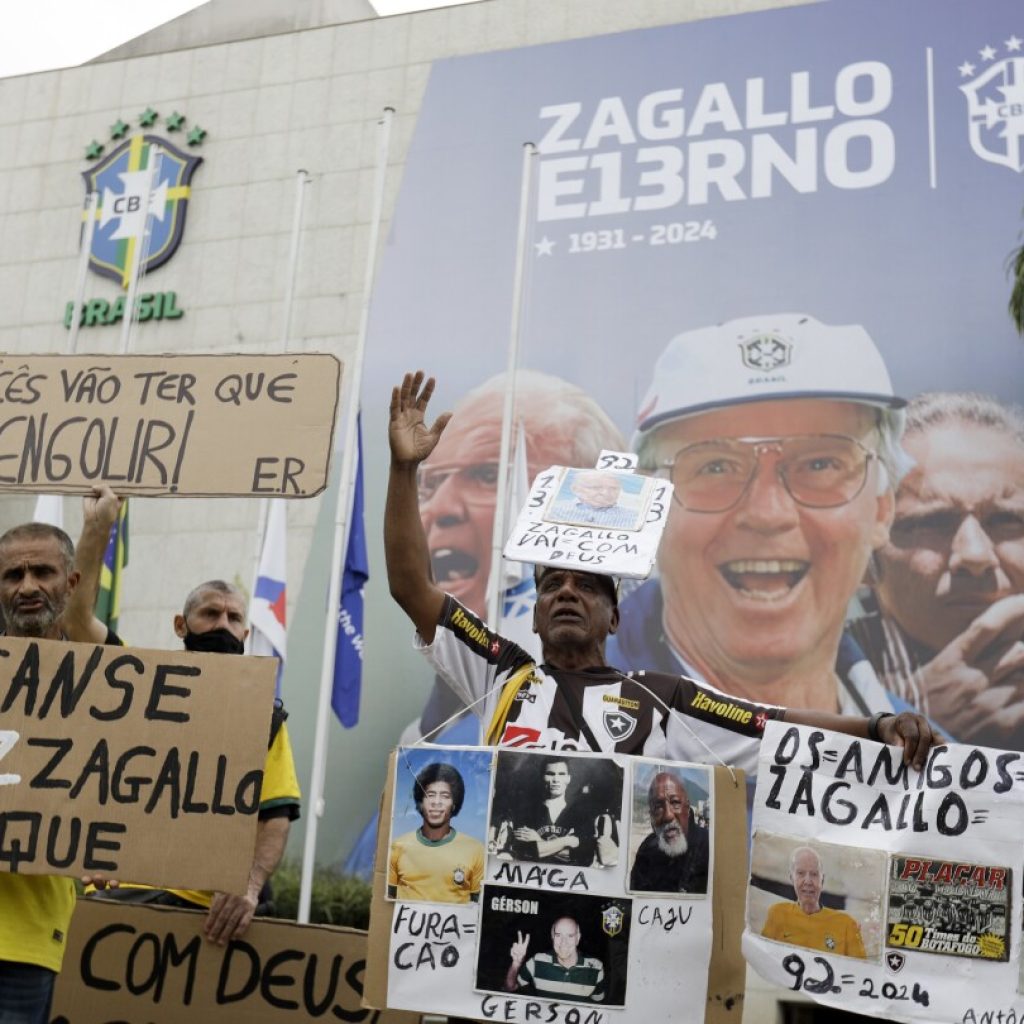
(42, 34)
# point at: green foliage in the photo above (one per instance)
(337, 899)
(1017, 293)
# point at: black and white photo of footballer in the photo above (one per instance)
(557, 809)
(546, 945)
(670, 836)
(949, 907)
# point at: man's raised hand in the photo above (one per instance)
(101, 507)
(411, 439)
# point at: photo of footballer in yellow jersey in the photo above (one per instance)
(821, 897)
(435, 862)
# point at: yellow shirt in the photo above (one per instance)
(280, 788)
(449, 870)
(35, 913)
(831, 931)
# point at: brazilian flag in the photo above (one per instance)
(115, 558)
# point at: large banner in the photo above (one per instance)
(563, 887)
(151, 965)
(751, 241)
(886, 891)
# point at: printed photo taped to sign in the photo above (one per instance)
(955, 827)
(601, 520)
(131, 763)
(951, 908)
(671, 836)
(554, 946)
(556, 820)
(158, 425)
(438, 824)
(821, 896)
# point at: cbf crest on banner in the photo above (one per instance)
(121, 178)
(995, 103)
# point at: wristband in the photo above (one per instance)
(873, 724)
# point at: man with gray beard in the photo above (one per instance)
(674, 857)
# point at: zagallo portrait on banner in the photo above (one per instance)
(752, 242)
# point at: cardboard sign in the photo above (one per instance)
(606, 520)
(885, 891)
(187, 426)
(651, 946)
(130, 763)
(151, 965)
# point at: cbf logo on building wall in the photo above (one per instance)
(123, 178)
(995, 104)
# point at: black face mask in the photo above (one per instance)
(214, 641)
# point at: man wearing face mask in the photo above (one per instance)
(213, 622)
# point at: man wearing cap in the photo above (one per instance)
(780, 435)
(572, 699)
(458, 486)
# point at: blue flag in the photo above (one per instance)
(348, 653)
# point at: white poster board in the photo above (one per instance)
(566, 862)
(885, 891)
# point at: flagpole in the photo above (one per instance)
(82, 272)
(504, 460)
(302, 179)
(342, 523)
(139, 250)
(91, 202)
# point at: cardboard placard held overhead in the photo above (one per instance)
(151, 965)
(130, 763)
(181, 425)
(649, 945)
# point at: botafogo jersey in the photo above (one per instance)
(537, 706)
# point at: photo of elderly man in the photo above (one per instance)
(672, 828)
(944, 623)
(781, 436)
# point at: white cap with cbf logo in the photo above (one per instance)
(760, 358)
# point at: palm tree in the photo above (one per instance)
(1016, 266)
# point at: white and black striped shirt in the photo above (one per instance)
(593, 709)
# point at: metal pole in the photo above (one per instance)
(342, 519)
(263, 514)
(504, 460)
(140, 249)
(302, 179)
(91, 202)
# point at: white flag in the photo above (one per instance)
(50, 509)
(269, 601)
